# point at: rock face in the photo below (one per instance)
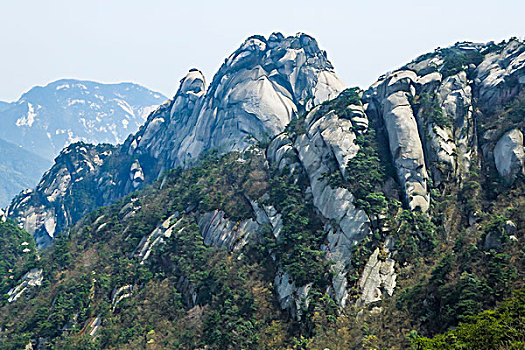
(252, 97)
(290, 296)
(157, 237)
(390, 98)
(31, 279)
(427, 110)
(378, 276)
(43, 211)
(500, 67)
(327, 146)
(219, 231)
(509, 155)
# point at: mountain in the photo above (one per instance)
(19, 169)
(254, 95)
(46, 119)
(3, 105)
(321, 218)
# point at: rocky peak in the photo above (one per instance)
(254, 95)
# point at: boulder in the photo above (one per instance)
(509, 155)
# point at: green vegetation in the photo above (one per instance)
(427, 106)
(299, 245)
(502, 328)
(187, 295)
(457, 60)
(17, 255)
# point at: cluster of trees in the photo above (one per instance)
(502, 328)
(18, 254)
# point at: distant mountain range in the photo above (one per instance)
(46, 119)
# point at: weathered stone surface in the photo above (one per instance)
(327, 146)
(406, 149)
(252, 97)
(388, 99)
(218, 231)
(509, 155)
(164, 231)
(120, 294)
(43, 211)
(291, 297)
(497, 68)
(378, 276)
(33, 278)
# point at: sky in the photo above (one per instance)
(155, 42)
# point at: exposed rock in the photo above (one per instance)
(497, 68)
(33, 278)
(267, 214)
(252, 97)
(188, 292)
(94, 326)
(389, 99)
(143, 250)
(136, 174)
(327, 146)
(50, 207)
(378, 276)
(456, 144)
(120, 294)
(219, 231)
(291, 297)
(509, 155)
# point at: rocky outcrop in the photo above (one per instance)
(158, 236)
(253, 96)
(258, 90)
(291, 297)
(427, 109)
(389, 99)
(329, 141)
(327, 146)
(378, 276)
(509, 155)
(219, 231)
(31, 279)
(501, 75)
(59, 199)
(456, 142)
(120, 294)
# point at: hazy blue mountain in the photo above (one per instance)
(46, 119)
(4, 105)
(19, 169)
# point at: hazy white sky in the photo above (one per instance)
(155, 42)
